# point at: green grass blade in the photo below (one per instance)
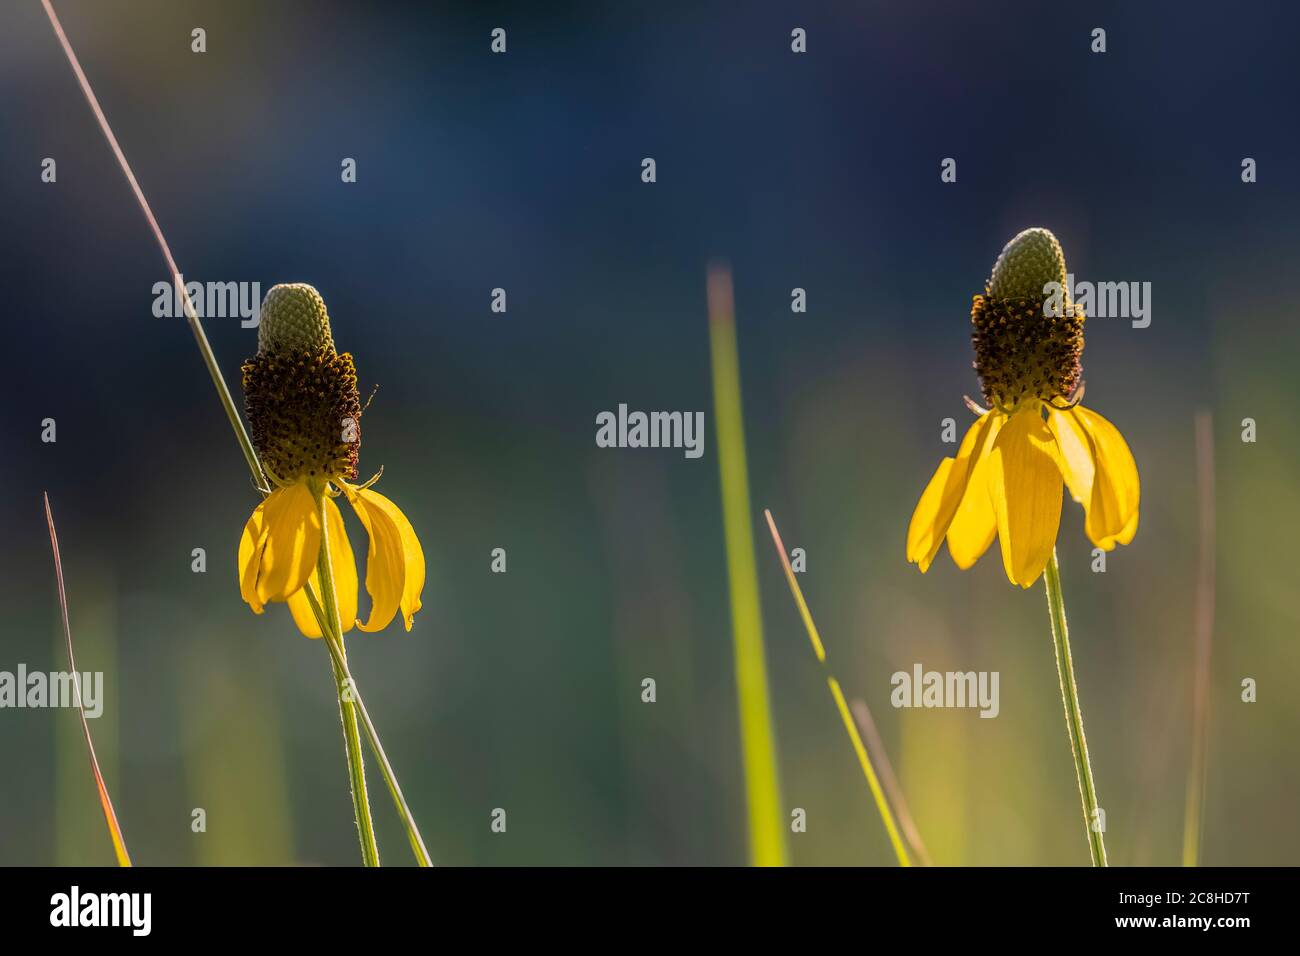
(110, 816)
(335, 647)
(191, 316)
(893, 789)
(1194, 807)
(859, 748)
(758, 746)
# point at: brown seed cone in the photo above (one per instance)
(1020, 352)
(305, 412)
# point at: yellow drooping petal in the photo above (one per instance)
(345, 579)
(1077, 466)
(292, 535)
(922, 533)
(301, 610)
(1025, 481)
(1101, 474)
(251, 543)
(395, 562)
(942, 496)
(1130, 529)
(975, 524)
(1116, 492)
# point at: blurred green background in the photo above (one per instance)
(523, 690)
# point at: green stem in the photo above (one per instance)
(347, 704)
(335, 646)
(390, 778)
(1073, 714)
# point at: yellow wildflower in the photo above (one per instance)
(1006, 480)
(305, 412)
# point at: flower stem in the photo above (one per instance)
(335, 646)
(386, 768)
(1073, 714)
(347, 704)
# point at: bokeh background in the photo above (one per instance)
(522, 690)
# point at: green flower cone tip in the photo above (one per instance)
(293, 319)
(1027, 263)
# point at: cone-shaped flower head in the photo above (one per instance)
(294, 318)
(1029, 261)
(1026, 346)
(301, 395)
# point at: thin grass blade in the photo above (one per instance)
(1194, 809)
(758, 745)
(191, 316)
(864, 758)
(888, 780)
(110, 816)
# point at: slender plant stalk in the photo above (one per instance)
(864, 757)
(1194, 807)
(356, 770)
(196, 327)
(228, 405)
(888, 779)
(105, 801)
(347, 708)
(335, 647)
(758, 745)
(1073, 714)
